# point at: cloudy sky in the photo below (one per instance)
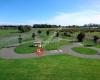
(60, 12)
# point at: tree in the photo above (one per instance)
(57, 34)
(39, 31)
(67, 34)
(24, 28)
(47, 32)
(20, 39)
(80, 37)
(20, 28)
(95, 38)
(33, 36)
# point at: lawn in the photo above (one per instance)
(26, 48)
(9, 37)
(98, 46)
(90, 43)
(8, 32)
(57, 67)
(83, 50)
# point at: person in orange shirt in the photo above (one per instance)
(39, 51)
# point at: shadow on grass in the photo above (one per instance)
(89, 45)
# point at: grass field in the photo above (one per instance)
(90, 43)
(25, 48)
(98, 46)
(8, 32)
(83, 50)
(8, 37)
(58, 67)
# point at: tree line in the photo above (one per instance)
(20, 28)
(26, 28)
(48, 26)
(69, 26)
(45, 26)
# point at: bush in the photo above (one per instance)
(57, 34)
(25, 28)
(80, 37)
(47, 32)
(39, 31)
(33, 36)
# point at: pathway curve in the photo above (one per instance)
(68, 50)
(8, 53)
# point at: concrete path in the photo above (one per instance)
(68, 50)
(8, 53)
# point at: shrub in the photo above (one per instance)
(80, 37)
(39, 31)
(24, 28)
(47, 32)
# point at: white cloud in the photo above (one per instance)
(76, 18)
(14, 23)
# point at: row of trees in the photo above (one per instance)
(53, 26)
(73, 28)
(45, 26)
(92, 25)
(49, 26)
(6, 27)
(69, 26)
(21, 28)
(24, 28)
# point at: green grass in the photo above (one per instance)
(98, 46)
(56, 45)
(9, 37)
(24, 48)
(8, 32)
(89, 42)
(57, 67)
(44, 36)
(83, 50)
(93, 33)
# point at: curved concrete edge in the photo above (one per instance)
(69, 51)
(8, 53)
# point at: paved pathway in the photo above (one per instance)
(68, 50)
(8, 53)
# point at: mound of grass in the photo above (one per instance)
(25, 48)
(83, 50)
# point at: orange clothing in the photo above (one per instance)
(39, 51)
